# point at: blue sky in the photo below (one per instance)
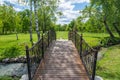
(69, 8)
(17, 6)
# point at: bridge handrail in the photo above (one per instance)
(88, 54)
(36, 53)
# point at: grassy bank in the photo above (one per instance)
(8, 78)
(109, 66)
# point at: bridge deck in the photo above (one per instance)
(61, 62)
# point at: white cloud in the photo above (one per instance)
(18, 5)
(78, 1)
(66, 7)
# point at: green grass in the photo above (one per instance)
(109, 67)
(8, 41)
(7, 78)
(93, 39)
(62, 34)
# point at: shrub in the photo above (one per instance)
(12, 52)
(108, 41)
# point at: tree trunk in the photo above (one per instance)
(36, 19)
(107, 28)
(117, 30)
(3, 30)
(16, 35)
(31, 39)
(44, 22)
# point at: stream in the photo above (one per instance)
(13, 69)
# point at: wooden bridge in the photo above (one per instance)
(49, 59)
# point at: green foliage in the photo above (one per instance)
(60, 27)
(12, 51)
(108, 41)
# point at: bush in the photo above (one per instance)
(108, 41)
(12, 52)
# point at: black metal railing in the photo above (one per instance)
(36, 53)
(88, 54)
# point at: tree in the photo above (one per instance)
(108, 11)
(36, 18)
(31, 39)
(7, 17)
(47, 11)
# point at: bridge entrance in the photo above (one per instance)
(49, 59)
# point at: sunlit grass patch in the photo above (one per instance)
(109, 66)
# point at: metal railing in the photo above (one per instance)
(36, 53)
(88, 54)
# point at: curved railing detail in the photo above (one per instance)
(88, 54)
(36, 53)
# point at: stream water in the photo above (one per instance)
(14, 69)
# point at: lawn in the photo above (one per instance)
(8, 41)
(62, 34)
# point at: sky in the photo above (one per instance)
(69, 8)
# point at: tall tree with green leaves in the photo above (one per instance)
(47, 12)
(103, 7)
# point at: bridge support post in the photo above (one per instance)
(42, 46)
(75, 38)
(55, 36)
(48, 38)
(81, 45)
(28, 63)
(94, 67)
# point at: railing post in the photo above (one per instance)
(28, 63)
(42, 46)
(55, 35)
(94, 65)
(48, 38)
(75, 38)
(81, 45)
(69, 35)
(51, 36)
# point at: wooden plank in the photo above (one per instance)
(61, 62)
